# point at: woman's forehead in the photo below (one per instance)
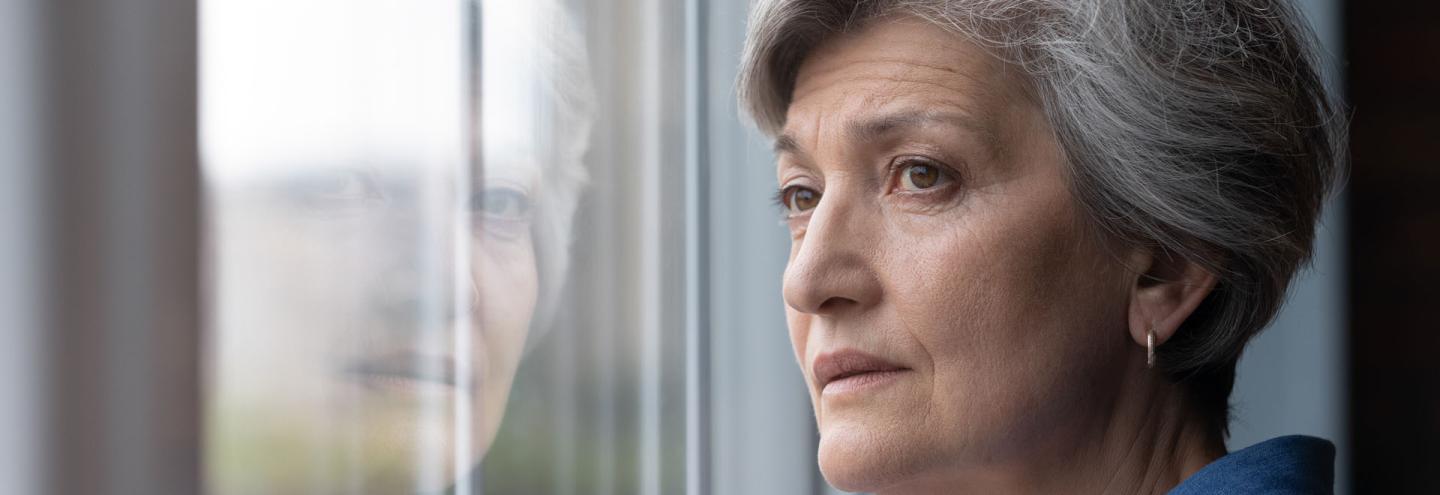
(897, 69)
(519, 171)
(899, 50)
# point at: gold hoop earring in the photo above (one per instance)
(1150, 348)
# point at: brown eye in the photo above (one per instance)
(800, 199)
(919, 176)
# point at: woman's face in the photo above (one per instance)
(367, 362)
(949, 307)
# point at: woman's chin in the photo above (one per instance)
(854, 458)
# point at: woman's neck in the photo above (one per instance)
(1146, 441)
(1152, 448)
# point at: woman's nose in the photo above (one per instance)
(832, 270)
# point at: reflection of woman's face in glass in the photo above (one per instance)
(502, 299)
(501, 294)
(369, 319)
(345, 373)
(503, 266)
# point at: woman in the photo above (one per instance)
(1030, 239)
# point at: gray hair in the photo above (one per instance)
(1198, 127)
(539, 105)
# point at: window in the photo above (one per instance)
(463, 246)
(425, 246)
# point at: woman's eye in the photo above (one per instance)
(501, 203)
(920, 176)
(797, 199)
(341, 193)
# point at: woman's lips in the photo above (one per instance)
(406, 371)
(849, 371)
(860, 382)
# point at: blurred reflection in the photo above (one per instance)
(374, 279)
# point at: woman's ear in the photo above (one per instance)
(1165, 294)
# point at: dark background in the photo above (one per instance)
(1393, 75)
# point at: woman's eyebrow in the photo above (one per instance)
(787, 144)
(878, 128)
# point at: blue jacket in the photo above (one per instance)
(1290, 465)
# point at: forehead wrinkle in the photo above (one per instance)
(789, 142)
(866, 129)
(962, 88)
(966, 99)
(785, 143)
(883, 124)
(889, 70)
(877, 128)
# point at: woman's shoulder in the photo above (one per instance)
(1289, 465)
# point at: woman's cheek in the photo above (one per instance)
(506, 284)
(506, 280)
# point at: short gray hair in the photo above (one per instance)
(537, 88)
(1201, 128)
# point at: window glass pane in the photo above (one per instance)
(336, 163)
(578, 419)
(441, 247)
